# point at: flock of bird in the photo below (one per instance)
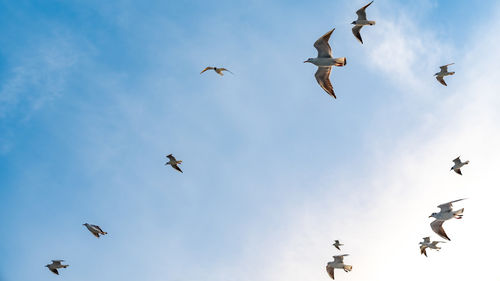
(324, 61)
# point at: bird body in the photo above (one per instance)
(360, 22)
(458, 164)
(337, 244)
(338, 262)
(95, 230)
(324, 61)
(56, 264)
(218, 70)
(428, 244)
(445, 214)
(442, 73)
(173, 162)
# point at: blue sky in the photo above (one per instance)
(93, 96)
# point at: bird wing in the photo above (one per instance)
(362, 13)
(458, 171)
(324, 50)
(336, 246)
(98, 228)
(441, 80)
(422, 250)
(339, 258)
(457, 160)
(437, 227)
(177, 168)
(330, 270)
(225, 69)
(355, 31)
(171, 157)
(444, 68)
(323, 78)
(446, 207)
(54, 270)
(206, 68)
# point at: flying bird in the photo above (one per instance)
(360, 22)
(55, 265)
(338, 262)
(324, 62)
(337, 244)
(95, 229)
(444, 72)
(445, 214)
(216, 69)
(428, 244)
(458, 164)
(173, 162)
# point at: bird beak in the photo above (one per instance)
(430, 216)
(305, 61)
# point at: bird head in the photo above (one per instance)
(354, 22)
(85, 224)
(309, 60)
(433, 215)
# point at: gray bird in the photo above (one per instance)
(428, 244)
(338, 262)
(360, 22)
(55, 265)
(337, 244)
(444, 72)
(324, 62)
(446, 213)
(217, 70)
(173, 162)
(95, 229)
(458, 164)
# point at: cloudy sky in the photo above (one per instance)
(94, 94)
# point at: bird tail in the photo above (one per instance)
(347, 267)
(453, 72)
(466, 162)
(66, 265)
(340, 61)
(179, 161)
(459, 212)
(104, 233)
(372, 22)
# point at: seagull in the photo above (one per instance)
(361, 21)
(95, 229)
(216, 69)
(445, 214)
(458, 164)
(338, 262)
(337, 244)
(444, 72)
(55, 265)
(173, 162)
(324, 62)
(428, 244)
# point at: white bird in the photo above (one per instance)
(445, 214)
(216, 69)
(338, 262)
(444, 72)
(428, 244)
(55, 265)
(458, 164)
(173, 162)
(324, 62)
(95, 229)
(360, 22)
(337, 244)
